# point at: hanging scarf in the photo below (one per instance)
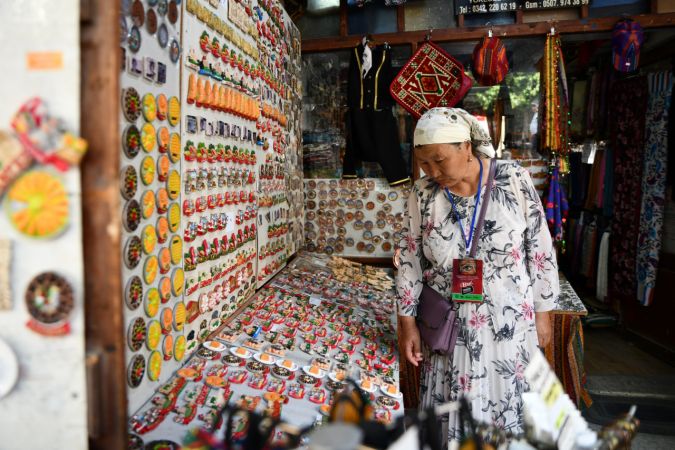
(556, 206)
(555, 126)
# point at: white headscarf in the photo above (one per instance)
(450, 126)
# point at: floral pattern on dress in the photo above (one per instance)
(653, 184)
(520, 276)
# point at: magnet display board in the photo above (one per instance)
(47, 408)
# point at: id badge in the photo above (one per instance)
(467, 280)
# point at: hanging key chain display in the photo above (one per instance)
(150, 182)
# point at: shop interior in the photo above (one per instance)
(222, 252)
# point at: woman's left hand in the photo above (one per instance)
(544, 328)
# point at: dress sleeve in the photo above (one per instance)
(539, 250)
(409, 275)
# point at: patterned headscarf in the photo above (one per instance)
(450, 126)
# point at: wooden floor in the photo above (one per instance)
(607, 352)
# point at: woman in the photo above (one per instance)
(520, 275)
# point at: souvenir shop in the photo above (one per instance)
(199, 226)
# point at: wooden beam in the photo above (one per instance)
(104, 326)
(474, 33)
(344, 31)
(400, 18)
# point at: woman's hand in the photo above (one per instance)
(410, 339)
(544, 328)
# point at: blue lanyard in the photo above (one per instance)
(475, 209)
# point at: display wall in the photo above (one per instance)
(211, 171)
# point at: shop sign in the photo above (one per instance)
(499, 6)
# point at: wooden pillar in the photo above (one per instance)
(101, 222)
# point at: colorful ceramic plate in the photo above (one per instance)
(147, 170)
(136, 370)
(131, 103)
(163, 138)
(164, 257)
(133, 294)
(176, 248)
(148, 137)
(164, 287)
(177, 282)
(49, 298)
(152, 301)
(132, 252)
(149, 107)
(37, 204)
(134, 42)
(154, 366)
(150, 269)
(136, 334)
(173, 184)
(162, 198)
(174, 217)
(131, 141)
(174, 111)
(148, 204)
(129, 184)
(179, 348)
(162, 228)
(151, 22)
(131, 215)
(391, 390)
(179, 316)
(154, 335)
(241, 352)
(163, 36)
(163, 164)
(314, 371)
(287, 364)
(215, 346)
(166, 320)
(162, 107)
(265, 358)
(167, 347)
(174, 147)
(149, 239)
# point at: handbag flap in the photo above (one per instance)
(433, 309)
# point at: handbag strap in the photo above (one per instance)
(481, 217)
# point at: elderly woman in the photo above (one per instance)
(499, 333)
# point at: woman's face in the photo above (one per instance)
(446, 164)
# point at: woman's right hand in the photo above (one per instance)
(411, 344)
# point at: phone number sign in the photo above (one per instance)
(497, 6)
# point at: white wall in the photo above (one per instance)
(47, 408)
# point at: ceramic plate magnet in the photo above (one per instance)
(132, 252)
(164, 288)
(154, 365)
(152, 302)
(136, 371)
(131, 104)
(134, 39)
(179, 316)
(131, 215)
(132, 141)
(137, 13)
(162, 200)
(150, 269)
(174, 110)
(149, 239)
(174, 147)
(177, 281)
(148, 137)
(136, 334)
(147, 170)
(49, 298)
(133, 294)
(149, 107)
(129, 183)
(174, 51)
(165, 263)
(176, 247)
(174, 217)
(162, 228)
(148, 204)
(154, 335)
(163, 36)
(151, 22)
(173, 184)
(179, 348)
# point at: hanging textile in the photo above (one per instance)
(653, 184)
(555, 126)
(628, 106)
(608, 192)
(601, 281)
(556, 206)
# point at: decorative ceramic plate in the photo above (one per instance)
(149, 106)
(133, 294)
(131, 101)
(177, 281)
(174, 217)
(132, 252)
(163, 165)
(167, 347)
(162, 199)
(149, 239)
(154, 366)
(179, 348)
(148, 204)
(131, 215)
(129, 183)
(164, 287)
(174, 111)
(147, 170)
(154, 335)
(174, 147)
(37, 204)
(162, 228)
(49, 298)
(173, 184)
(131, 141)
(148, 137)
(136, 370)
(215, 346)
(179, 316)
(152, 302)
(176, 248)
(162, 107)
(136, 334)
(164, 257)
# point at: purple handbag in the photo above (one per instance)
(437, 321)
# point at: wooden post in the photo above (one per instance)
(400, 18)
(343, 18)
(101, 222)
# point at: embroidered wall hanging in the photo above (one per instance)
(431, 78)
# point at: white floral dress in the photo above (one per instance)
(520, 276)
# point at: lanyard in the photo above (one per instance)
(467, 242)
